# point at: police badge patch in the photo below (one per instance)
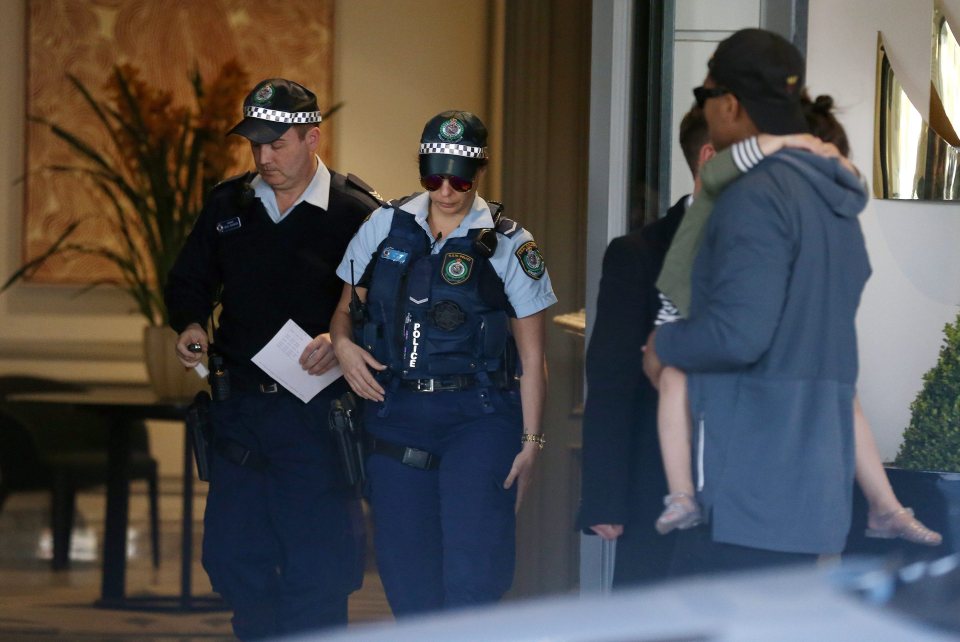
(451, 130)
(456, 267)
(264, 94)
(531, 261)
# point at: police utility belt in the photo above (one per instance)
(203, 440)
(449, 383)
(406, 455)
(354, 444)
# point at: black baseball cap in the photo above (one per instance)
(766, 74)
(273, 107)
(453, 142)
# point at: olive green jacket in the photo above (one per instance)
(674, 280)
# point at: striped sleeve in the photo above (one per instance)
(747, 154)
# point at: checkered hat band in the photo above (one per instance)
(453, 150)
(293, 118)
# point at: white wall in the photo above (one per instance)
(915, 287)
(699, 26)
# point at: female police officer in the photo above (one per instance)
(454, 318)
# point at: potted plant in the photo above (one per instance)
(926, 472)
(932, 441)
(157, 164)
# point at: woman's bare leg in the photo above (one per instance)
(886, 516)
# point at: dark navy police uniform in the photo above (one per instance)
(439, 318)
(283, 540)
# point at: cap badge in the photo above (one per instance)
(264, 94)
(456, 267)
(451, 130)
(531, 261)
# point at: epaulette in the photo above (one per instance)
(502, 225)
(395, 203)
(508, 227)
(239, 183)
(358, 183)
(245, 177)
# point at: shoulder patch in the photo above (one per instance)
(508, 227)
(357, 183)
(531, 261)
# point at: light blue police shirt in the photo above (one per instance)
(526, 294)
(317, 192)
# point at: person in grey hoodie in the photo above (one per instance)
(770, 342)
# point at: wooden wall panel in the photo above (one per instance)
(288, 38)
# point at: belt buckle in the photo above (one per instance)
(268, 388)
(425, 385)
(416, 458)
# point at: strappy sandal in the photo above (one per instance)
(682, 511)
(901, 523)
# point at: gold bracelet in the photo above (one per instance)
(539, 440)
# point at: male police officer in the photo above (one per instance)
(281, 540)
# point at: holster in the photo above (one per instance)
(508, 375)
(347, 428)
(198, 425)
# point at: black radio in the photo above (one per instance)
(219, 378)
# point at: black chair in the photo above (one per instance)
(64, 448)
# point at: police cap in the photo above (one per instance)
(453, 142)
(273, 107)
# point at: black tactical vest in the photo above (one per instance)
(431, 315)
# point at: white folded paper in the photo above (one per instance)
(280, 359)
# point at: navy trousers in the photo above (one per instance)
(284, 545)
(445, 538)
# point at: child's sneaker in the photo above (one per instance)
(682, 511)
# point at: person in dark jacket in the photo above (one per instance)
(622, 474)
(282, 543)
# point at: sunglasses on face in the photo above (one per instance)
(435, 181)
(703, 94)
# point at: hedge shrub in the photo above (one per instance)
(932, 441)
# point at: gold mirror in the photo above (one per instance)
(913, 158)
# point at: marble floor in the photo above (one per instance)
(38, 604)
